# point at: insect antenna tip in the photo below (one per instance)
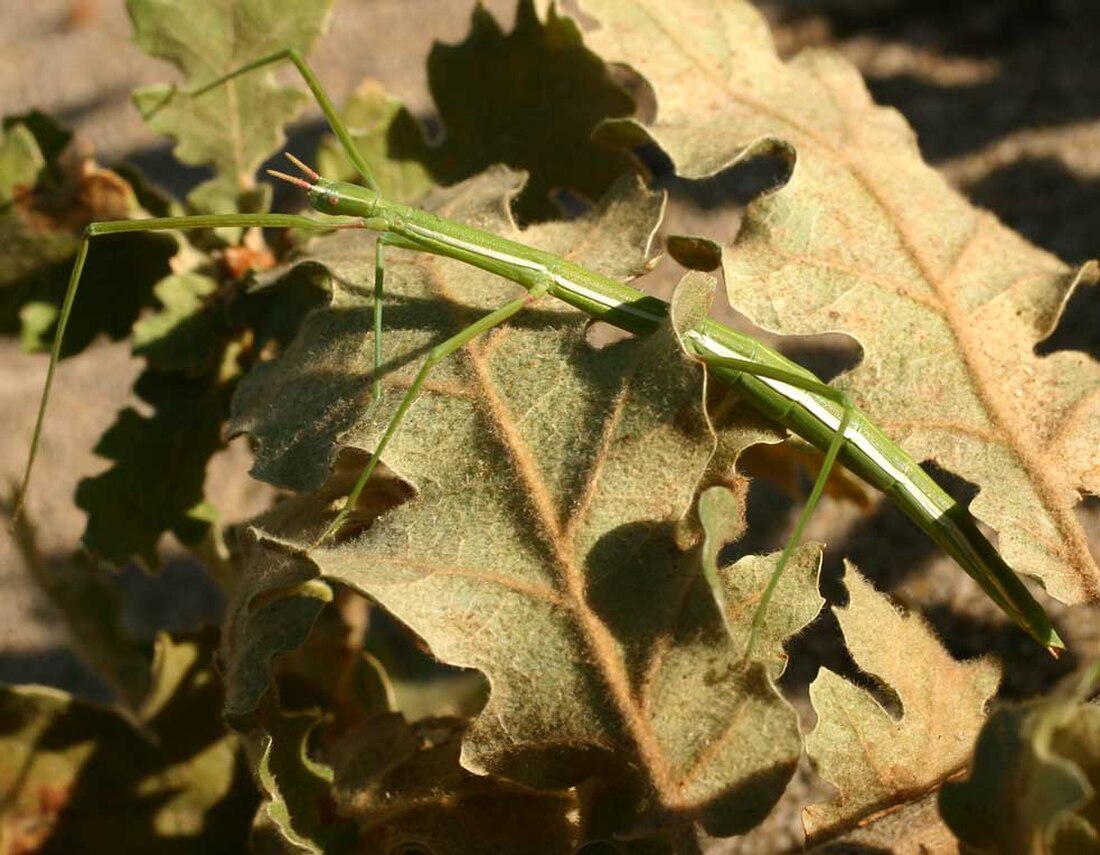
(306, 171)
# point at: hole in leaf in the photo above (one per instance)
(1077, 328)
(763, 171)
(828, 355)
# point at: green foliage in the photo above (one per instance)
(235, 127)
(550, 520)
(82, 778)
(1034, 782)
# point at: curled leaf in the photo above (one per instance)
(1033, 787)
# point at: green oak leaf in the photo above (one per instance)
(542, 546)
(20, 161)
(193, 348)
(234, 127)
(44, 205)
(947, 304)
(159, 466)
(181, 336)
(50, 138)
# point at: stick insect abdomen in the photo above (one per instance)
(867, 451)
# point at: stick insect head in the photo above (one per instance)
(331, 197)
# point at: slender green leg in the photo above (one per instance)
(435, 355)
(379, 274)
(829, 393)
(340, 129)
(153, 224)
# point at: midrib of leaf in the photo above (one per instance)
(560, 543)
(243, 179)
(1008, 430)
(1011, 433)
(235, 134)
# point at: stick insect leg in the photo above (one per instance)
(294, 56)
(384, 239)
(153, 224)
(823, 390)
(435, 355)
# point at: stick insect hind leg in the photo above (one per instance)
(822, 390)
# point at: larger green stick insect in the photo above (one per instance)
(777, 387)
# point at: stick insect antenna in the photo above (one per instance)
(306, 171)
(290, 179)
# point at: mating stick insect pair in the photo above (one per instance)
(776, 386)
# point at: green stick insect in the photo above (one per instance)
(777, 387)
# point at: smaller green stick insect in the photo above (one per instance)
(776, 386)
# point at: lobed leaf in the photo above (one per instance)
(193, 346)
(271, 615)
(865, 238)
(877, 760)
(542, 548)
(539, 94)
(299, 788)
(237, 126)
(81, 778)
(46, 200)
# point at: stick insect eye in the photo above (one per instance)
(332, 199)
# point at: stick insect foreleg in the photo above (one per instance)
(153, 224)
(293, 55)
(332, 117)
